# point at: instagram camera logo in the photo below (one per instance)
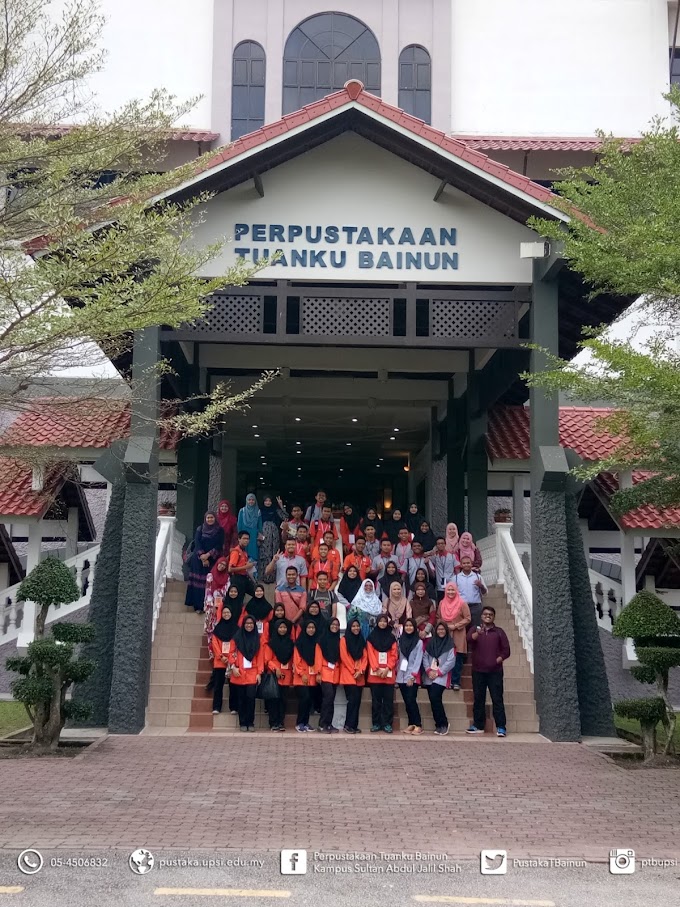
(622, 861)
(293, 862)
(493, 862)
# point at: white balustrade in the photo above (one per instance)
(607, 598)
(167, 562)
(510, 573)
(82, 567)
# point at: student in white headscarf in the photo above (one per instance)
(366, 606)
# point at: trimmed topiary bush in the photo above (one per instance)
(50, 583)
(655, 629)
(649, 712)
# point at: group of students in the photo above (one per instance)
(412, 614)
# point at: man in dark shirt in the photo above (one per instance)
(489, 647)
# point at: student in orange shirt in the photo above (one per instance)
(306, 668)
(325, 523)
(381, 647)
(220, 642)
(279, 660)
(259, 608)
(240, 565)
(329, 649)
(353, 664)
(246, 657)
(303, 547)
(358, 558)
(349, 527)
(333, 552)
(323, 563)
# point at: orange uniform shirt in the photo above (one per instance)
(302, 669)
(273, 664)
(378, 660)
(330, 566)
(361, 562)
(238, 559)
(318, 527)
(348, 667)
(220, 652)
(247, 675)
(328, 674)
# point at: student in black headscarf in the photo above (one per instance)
(381, 648)
(208, 545)
(305, 673)
(329, 648)
(222, 634)
(279, 660)
(349, 527)
(259, 608)
(394, 524)
(246, 656)
(413, 518)
(408, 674)
(353, 664)
(438, 660)
(372, 519)
(349, 586)
(426, 537)
(314, 615)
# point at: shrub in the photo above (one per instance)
(649, 712)
(646, 615)
(49, 583)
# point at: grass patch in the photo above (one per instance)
(631, 726)
(13, 717)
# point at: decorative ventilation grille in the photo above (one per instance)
(232, 315)
(471, 320)
(347, 317)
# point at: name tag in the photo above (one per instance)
(225, 648)
(260, 626)
(382, 658)
(331, 665)
(404, 664)
(247, 664)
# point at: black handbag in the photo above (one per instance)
(269, 688)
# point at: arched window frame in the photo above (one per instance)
(310, 74)
(248, 77)
(415, 81)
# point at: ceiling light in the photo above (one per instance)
(393, 438)
(297, 419)
(377, 465)
(381, 459)
(254, 426)
(257, 436)
(395, 429)
(262, 457)
(355, 420)
(298, 451)
(298, 442)
(341, 469)
(348, 444)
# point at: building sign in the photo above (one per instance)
(366, 248)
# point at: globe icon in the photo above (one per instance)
(141, 861)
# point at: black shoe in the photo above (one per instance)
(349, 730)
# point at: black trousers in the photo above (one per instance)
(233, 697)
(316, 698)
(246, 704)
(436, 691)
(410, 696)
(493, 681)
(276, 710)
(218, 677)
(353, 694)
(304, 704)
(327, 703)
(243, 583)
(382, 703)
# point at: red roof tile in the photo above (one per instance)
(88, 423)
(534, 142)
(647, 517)
(16, 496)
(508, 432)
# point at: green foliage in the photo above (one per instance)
(73, 633)
(643, 674)
(32, 689)
(660, 659)
(49, 653)
(644, 710)
(76, 711)
(646, 615)
(49, 583)
(18, 664)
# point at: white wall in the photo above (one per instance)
(557, 67)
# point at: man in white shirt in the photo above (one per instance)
(445, 564)
(381, 561)
(471, 587)
(281, 561)
(313, 512)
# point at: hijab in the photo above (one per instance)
(352, 519)
(281, 646)
(393, 526)
(219, 578)
(306, 644)
(413, 520)
(207, 531)
(437, 647)
(421, 607)
(247, 642)
(355, 642)
(376, 522)
(225, 628)
(466, 547)
(408, 641)
(366, 600)
(250, 513)
(396, 602)
(451, 537)
(269, 512)
(235, 604)
(382, 640)
(258, 608)
(226, 520)
(349, 587)
(427, 539)
(317, 619)
(451, 608)
(330, 643)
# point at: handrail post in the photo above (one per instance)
(501, 528)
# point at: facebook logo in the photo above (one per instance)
(293, 862)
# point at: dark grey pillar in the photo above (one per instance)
(594, 698)
(554, 657)
(476, 461)
(132, 647)
(456, 432)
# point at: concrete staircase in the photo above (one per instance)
(181, 667)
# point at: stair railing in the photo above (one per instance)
(510, 574)
(167, 564)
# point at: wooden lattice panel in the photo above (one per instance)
(348, 317)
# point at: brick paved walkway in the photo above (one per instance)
(265, 792)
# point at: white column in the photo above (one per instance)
(27, 632)
(627, 548)
(519, 483)
(4, 576)
(72, 533)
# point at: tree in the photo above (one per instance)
(50, 667)
(622, 237)
(655, 629)
(107, 256)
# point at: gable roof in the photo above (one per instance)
(353, 108)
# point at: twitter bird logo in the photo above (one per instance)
(494, 862)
